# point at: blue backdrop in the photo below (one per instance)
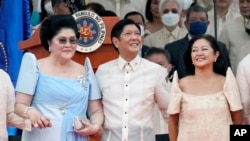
(14, 27)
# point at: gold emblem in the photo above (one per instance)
(91, 29)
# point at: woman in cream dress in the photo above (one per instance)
(206, 102)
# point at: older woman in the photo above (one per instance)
(53, 90)
(205, 102)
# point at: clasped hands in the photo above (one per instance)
(38, 120)
(89, 129)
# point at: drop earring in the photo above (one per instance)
(215, 59)
(49, 49)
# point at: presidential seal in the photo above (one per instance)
(92, 31)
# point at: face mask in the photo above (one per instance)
(170, 19)
(185, 4)
(142, 29)
(48, 8)
(198, 28)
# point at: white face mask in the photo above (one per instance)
(142, 29)
(48, 8)
(170, 19)
(185, 4)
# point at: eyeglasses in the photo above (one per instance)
(64, 41)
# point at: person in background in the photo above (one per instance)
(95, 7)
(7, 100)
(60, 7)
(75, 5)
(208, 4)
(196, 24)
(184, 4)
(162, 58)
(46, 9)
(121, 7)
(138, 19)
(236, 33)
(55, 8)
(54, 90)
(243, 77)
(170, 12)
(224, 15)
(108, 13)
(130, 87)
(207, 101)
(153, 17)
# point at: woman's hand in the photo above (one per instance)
(89, 129)
(38, 120)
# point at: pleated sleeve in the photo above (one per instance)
(28, 74)
(95, 92)
(174, 106)
(231, 91)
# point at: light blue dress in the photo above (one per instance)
(58, 98)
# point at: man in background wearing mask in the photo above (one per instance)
(235, 34)
(196, 23)
(170, 17)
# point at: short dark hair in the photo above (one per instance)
(220, 66)
(56, 3)
(108, 13)
(132, 13)
(196, 8)
(53, 24)
(119, 26)
(97, 7)
(154, 50)
(148, 13)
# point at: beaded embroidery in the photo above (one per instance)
(82, 79)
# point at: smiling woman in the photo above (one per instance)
(205, 102)
(53, 90)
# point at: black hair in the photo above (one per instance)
(132, 13)
(154, 50)
(148, 13)
(53, 24)
(118, 28)
(108, 13)
(30, 4)
(43, 13)
(220, 66)
(196, 8)
(96, 7)
(56, 3)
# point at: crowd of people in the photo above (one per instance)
(173, 80)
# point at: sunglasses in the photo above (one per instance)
(64, 41)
